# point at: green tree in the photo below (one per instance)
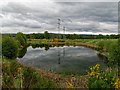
(9, 47)
(46, 35)
(22, 39)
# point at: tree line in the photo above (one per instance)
(47, 35)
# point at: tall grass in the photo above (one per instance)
(16, 75)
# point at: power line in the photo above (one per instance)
(64, 32)
(59, 23)
(64, 29)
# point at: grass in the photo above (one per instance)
(15, 75)
(87, 41)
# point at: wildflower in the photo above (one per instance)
(117, 84)
(97, 66)
(92, 73)
(91, 68)
(69, 85)
(19, 69)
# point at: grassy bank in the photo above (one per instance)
(102, 45)
(92, 42)
(15, 75)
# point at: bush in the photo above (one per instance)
(16, 76)
(22, 39)
(9, 47)
(22, 52)
(99, 78)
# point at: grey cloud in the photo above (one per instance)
(45, 17)
(15, 8)
(91, 11)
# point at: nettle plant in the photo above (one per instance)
(99, 78)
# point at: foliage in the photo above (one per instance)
(9, 47)
(101, 45)
(99, 78)
(119, 52)
(22, 77)
(22, 39)
(22, 52)
(46, 35)
(112, 48)
(114, 54)
(69, 36)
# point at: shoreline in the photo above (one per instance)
(94, 47)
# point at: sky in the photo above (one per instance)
(77, 17)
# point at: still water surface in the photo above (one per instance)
(66, 59)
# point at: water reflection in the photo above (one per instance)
(63, 51)
(47, 46)
(41, 46)
(61, 55)
(60, 58)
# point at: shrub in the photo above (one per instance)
(23, 77)
(22, 39)
(22, 52)
(9, 47)
(99, 78)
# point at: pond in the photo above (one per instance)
(63, 59)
